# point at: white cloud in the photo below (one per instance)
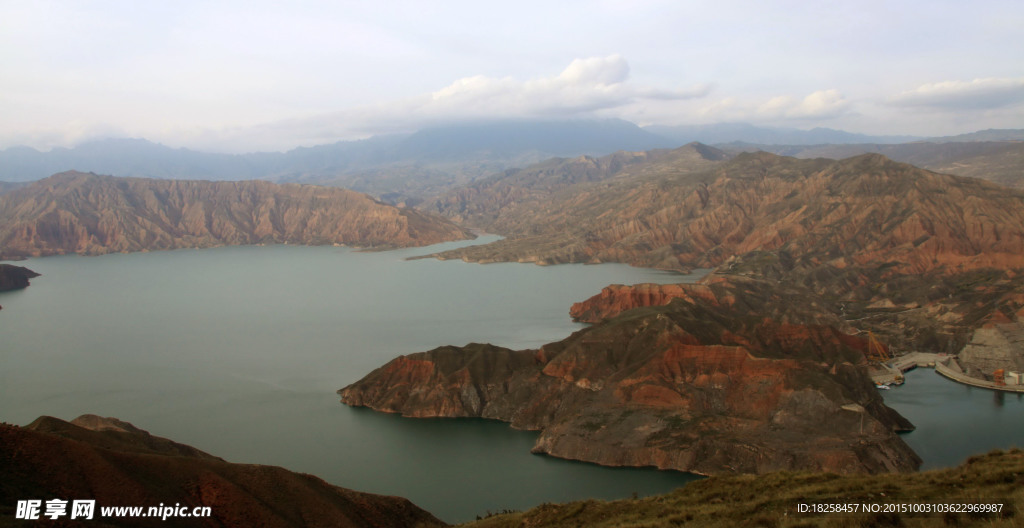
(783, 109)
(823, 104)
(975, 94)
(596, 71)
(587, 87)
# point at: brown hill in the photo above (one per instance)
(866, 210)
(1000, 162)
(485, 203)
(117, 464)
(748, 378)
(89, 214)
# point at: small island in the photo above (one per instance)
(14, 277)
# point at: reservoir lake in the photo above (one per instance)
(238, 351)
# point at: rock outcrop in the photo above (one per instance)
(995, 346)
(15, 277)
(618, 298)
(117, 464)
(89, 214)
(750, 382)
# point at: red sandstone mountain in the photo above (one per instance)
(89, 214)
(117, 464)
(740, 377)
(862, 211)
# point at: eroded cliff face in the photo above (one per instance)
(89, 214)
(753, 384)
(118, 464)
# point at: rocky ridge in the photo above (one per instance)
(740, 378)
(862, 211)
(486, 202)
(998, 161)
(88, 214)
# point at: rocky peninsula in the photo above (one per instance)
(749, 379)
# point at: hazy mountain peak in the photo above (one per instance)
(707, 152)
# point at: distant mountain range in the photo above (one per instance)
(409, 168)
(747, 133)
(997, 161)
(492, 146)
(487, 202)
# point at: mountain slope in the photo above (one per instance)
(1000, 162)
(117, 464)
(858, 211)
(89, 214)
(485, 202)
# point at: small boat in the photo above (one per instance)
(881, 386)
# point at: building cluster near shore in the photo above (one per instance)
(981, 363)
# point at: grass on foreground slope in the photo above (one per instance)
(771, 500)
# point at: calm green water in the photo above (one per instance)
(239, 351)
(955, 421)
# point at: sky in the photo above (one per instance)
(248, 76)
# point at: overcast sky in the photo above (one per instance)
(254, 75)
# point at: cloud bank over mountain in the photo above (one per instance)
(964, 95)
(240, 76)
